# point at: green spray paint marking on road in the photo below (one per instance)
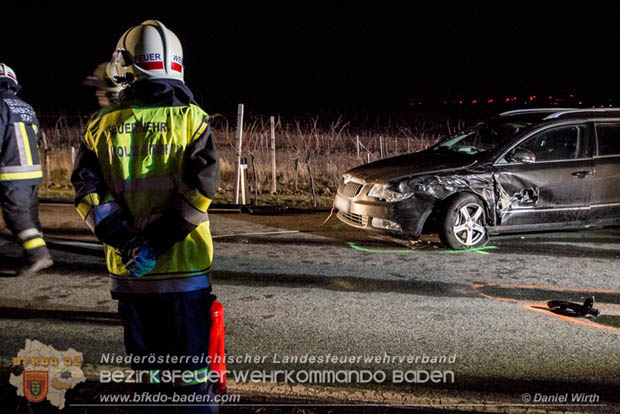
(337, 226)
(479, 250)
(475, 249)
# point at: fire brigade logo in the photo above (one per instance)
(35, 385)
(44, 373)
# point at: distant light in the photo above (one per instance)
(507, 100)
(475, 101)
(445, 102)
(419, 102)
(579, 102)
(460, 102)
(571, 95)
(490, 100)
(550, 97)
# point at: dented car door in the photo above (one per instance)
(553, 187)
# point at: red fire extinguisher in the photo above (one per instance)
(216, 346)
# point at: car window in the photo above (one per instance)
(563, 143)
(483, 137)
(608, 136)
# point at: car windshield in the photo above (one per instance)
(483, 137)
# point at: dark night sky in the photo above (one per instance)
(313, 55)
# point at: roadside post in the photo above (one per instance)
(239, 136)
(243, 178)
(273, 154)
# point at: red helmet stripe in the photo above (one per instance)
(177, 67)
(151, 65)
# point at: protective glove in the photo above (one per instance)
(138, 256)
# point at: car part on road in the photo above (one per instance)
(574, 309)
(463, 223)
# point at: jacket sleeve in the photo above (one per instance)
(95, 204)
(3, 122)
(197, 188)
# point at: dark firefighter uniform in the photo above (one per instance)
(147, 170)
(20, 175)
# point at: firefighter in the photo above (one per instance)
(102, 79)
(20, 173)
(144, 177)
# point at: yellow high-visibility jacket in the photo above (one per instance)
(148, 166)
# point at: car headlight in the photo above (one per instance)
(384, 192)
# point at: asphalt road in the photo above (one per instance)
(292, 287)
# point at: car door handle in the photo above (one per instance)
(582, 174)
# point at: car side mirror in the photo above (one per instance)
(523, 155)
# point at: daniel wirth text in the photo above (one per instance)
(575, 398)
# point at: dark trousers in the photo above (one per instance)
(20, 206)
(20, 210)
(173, 324)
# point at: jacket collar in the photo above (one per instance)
(8, 86)
(157, 92)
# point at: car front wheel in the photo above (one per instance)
(463, 224)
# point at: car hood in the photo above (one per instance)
(418, 163)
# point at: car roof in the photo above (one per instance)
(534, 115)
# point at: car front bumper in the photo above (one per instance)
(403, 218)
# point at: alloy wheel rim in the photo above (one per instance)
(468, 227)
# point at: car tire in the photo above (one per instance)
(462, 225)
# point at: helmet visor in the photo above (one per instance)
(122, 58)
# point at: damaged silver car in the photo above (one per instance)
(521, 171)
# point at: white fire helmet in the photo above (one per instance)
(148, 51)
(7, 73)
(103, 79)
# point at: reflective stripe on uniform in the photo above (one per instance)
(195, 198)
(21, 139)
(28, 234)
(87, 203)
(34, 243)
(189, 212)
(21, 175)
(24, 136)
(136, 185)
(98, 213)
(20, 168)
(146, 285)
(201, 128)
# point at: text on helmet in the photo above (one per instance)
(148, 57)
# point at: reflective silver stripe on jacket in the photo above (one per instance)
(189, 212)
(100, 212)
(19, 138)
(20, 168)
(145, 285)
(136, 185)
